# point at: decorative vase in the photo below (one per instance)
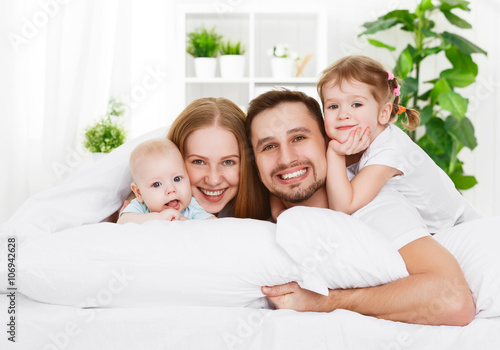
(281, 67)
(204, 67)
(232, 66)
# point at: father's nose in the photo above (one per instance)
(288, 155)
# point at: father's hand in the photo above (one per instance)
(291, 296)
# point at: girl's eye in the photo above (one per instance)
(356, 104)
(156, 184)
(198, 161)
(229, 162)
(333, 107)
(177, 179)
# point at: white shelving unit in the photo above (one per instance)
(258, 28)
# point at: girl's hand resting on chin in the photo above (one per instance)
(357, 141)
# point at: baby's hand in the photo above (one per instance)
(170, 214)
(356, 142)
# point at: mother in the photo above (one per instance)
(210, 134)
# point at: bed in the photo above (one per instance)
(80, 283)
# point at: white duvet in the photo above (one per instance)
(47, 327)
(220, 262)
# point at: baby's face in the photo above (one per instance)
(163, 181)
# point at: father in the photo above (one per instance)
(287, 135)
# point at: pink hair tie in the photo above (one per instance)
(390, 76)
(397, 91)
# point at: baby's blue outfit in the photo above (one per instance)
(193, 210)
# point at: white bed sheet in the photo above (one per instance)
(46, 327)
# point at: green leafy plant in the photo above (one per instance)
(203, 43)
(229, 48)
(106, 134)
(442, 109)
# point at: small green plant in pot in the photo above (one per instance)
(204, 45)
(442, 109)
(228, 48)
(107, 133)
(232, 61)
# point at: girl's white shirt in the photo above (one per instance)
(423, 182)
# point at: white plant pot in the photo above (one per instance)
(232, 66)
(204, 67)
(281, 67)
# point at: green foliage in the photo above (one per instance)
(203, 43)
(229, 48)
(116, 107)
(442, 109)
(107, 134)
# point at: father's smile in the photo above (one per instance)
(291, 175)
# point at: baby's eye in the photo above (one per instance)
(229, 162)
(156, 184)
(177, 179)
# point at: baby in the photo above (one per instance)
(161, 185)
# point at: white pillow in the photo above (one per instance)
(222, 262)
(335, 250)
(476, 246)
(87, 197)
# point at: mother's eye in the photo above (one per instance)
(229, 162)
(198, 161)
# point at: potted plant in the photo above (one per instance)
(281, 61)
(442, 109)
(107, 133)
(232, 61)
(204, 46)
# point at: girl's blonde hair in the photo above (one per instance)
(252, 199)
(369, 71)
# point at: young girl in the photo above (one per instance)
(360, 100)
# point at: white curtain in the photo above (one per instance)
(55, 67)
